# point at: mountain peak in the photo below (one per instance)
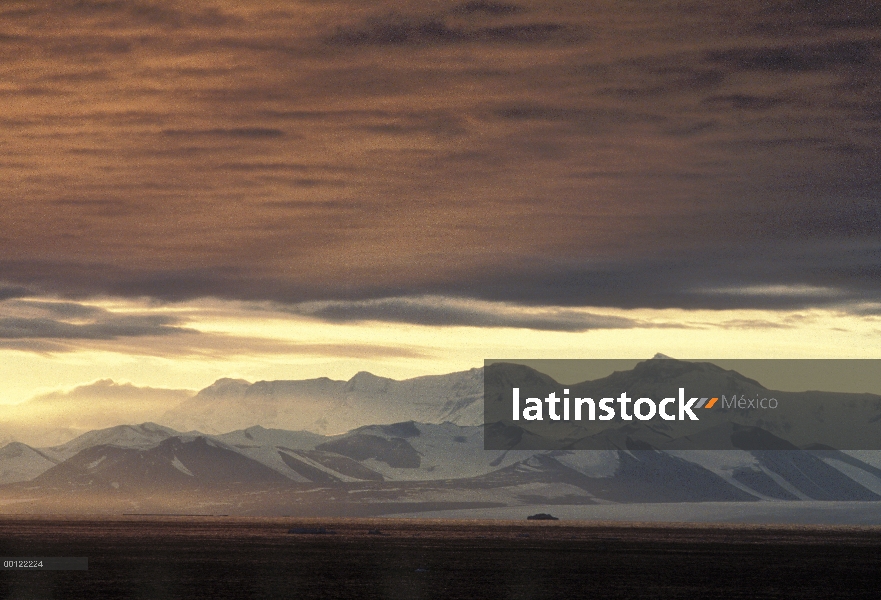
(364, 376)
(224, 381)
(367, 382)
(226, 386)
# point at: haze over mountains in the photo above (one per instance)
(425, 454)
(319, 405)
(327, 406)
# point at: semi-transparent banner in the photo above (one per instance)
(667, 404)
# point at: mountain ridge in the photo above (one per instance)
(410, 464)
(373, 469)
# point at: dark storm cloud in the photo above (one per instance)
(698, 155)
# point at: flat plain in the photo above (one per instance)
(161, 557)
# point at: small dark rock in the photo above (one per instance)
(542, 517)
(311, 530)
(376, 532)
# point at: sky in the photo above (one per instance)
(281, 190)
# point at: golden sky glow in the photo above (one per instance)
(261, 342)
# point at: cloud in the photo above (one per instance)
(35, 346)
(667, 280)
(54, 327)
(485, 7)
(107, 390)
(148, 13)
(522, 154)
(402, 30)
(799, 58)
(397, 30)
(40, 320)
(235, 132)
(588, 122)
(13, 291)
(811, 16)
(776, 291)
(753, 324)
(55, 309)
(106, 329)
(219, 346)
(445, 312)
(745, 101)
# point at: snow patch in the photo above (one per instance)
(177, 464)
(599, 463)
(91, 466)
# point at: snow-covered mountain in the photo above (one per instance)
(143, 436)
(20, 462)
(172, 465)
(304, 448)
(402, 467)
(329, 406)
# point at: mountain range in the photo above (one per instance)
(330, 406)
(321, 405)
(402, 465)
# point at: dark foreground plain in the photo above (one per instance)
(222, 557)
